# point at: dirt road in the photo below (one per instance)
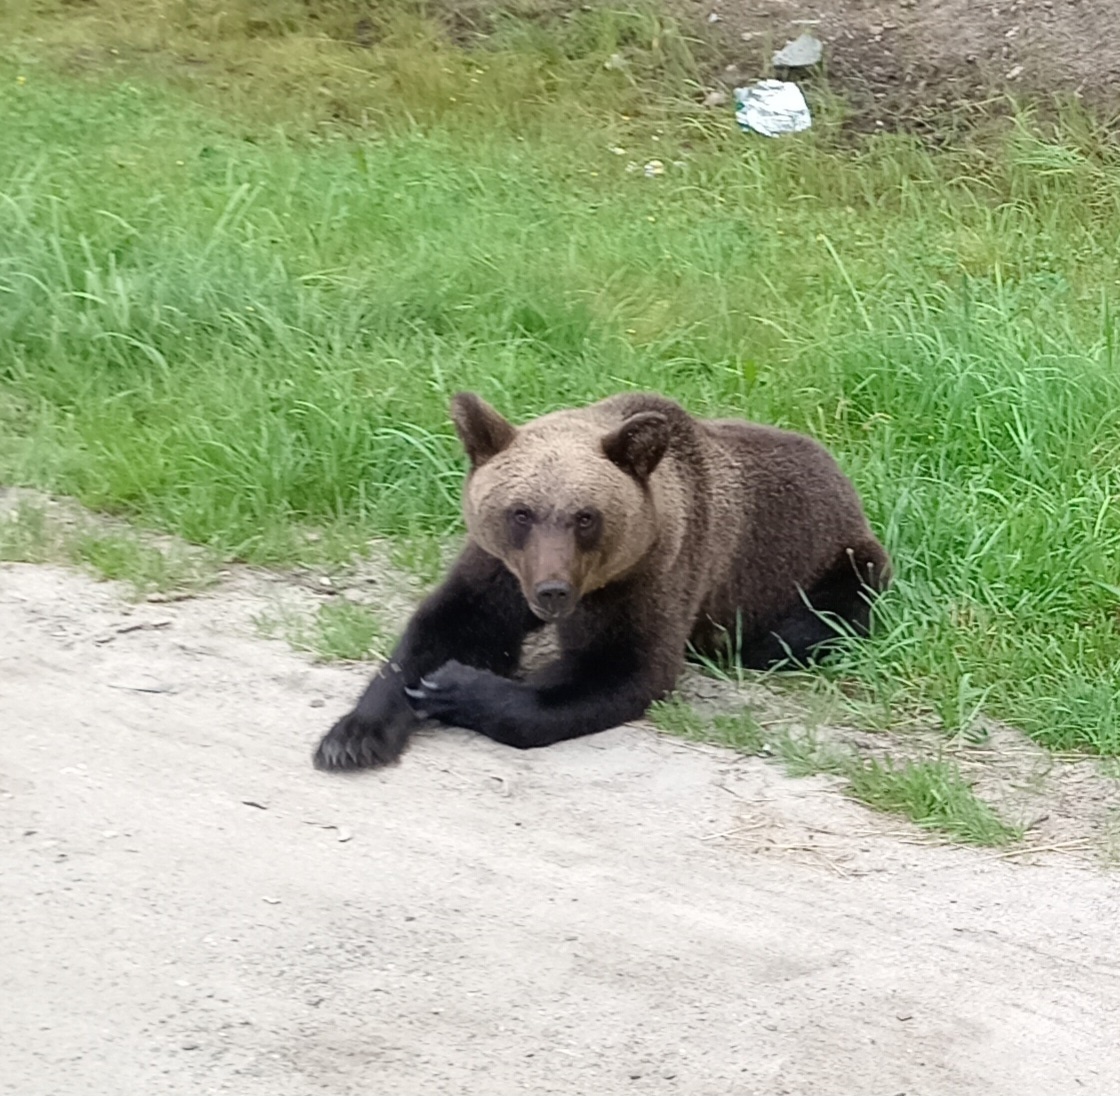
(624, 914)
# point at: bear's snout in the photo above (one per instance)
(553, 599)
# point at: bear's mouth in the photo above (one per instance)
(549, 616)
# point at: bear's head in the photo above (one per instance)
(565, 501)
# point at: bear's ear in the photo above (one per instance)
(638, 445)
(483, 432)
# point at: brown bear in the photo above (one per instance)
(638, 531)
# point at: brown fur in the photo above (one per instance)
(555, 467)
(639, 530)
(732, 522)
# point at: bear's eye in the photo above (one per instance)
(585, 520)
(521, 515)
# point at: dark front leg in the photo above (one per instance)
(571, 698)
(478, 617)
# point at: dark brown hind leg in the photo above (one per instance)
(838, 605)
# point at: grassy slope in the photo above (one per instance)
(236, 332)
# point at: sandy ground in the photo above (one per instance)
(187, 907)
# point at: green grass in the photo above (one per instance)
(739, 730)
(243, 327)
(337, 631)
(352, 632)
(29, 535)
(26, 536)
(931, 792)
(124, 557)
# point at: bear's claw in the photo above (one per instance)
(357, 743)
(446, 695)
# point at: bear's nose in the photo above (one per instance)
(554, 597)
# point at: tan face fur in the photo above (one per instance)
(548, 501)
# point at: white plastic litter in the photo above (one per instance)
(772, 107)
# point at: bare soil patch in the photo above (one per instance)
(906, 64)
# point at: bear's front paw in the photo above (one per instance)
(358, 742)
(453, 694)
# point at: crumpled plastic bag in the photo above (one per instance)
(772, 108)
